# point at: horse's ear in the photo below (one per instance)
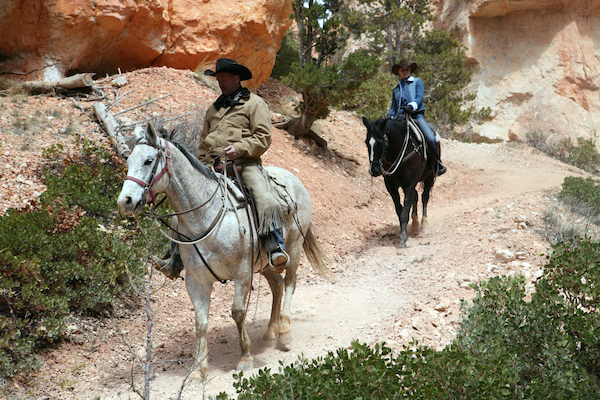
(366, 122)
(152, 134)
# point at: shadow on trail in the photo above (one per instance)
(387, 236)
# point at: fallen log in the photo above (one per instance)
(112, 128)
(77, 81)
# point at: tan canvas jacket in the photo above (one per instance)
(246, 126)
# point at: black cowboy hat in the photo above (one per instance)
(231, 66)
(404, 64)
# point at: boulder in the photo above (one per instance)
(53, 39)
(552, 118)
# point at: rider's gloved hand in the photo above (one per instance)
(409, 108)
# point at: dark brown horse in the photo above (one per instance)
(397, 153)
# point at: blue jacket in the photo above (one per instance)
(414, 92)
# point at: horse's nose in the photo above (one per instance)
(127, 205)
(375, 171)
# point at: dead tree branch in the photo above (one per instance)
(141, 105)
(112, 127)
(77, 81)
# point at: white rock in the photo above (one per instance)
(504, 255)
(520, 218)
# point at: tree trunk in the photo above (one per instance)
(301, 127)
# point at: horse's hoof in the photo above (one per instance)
(269, 341)
(284, 340)
(271, 333)
(415, 229)
(245, 364)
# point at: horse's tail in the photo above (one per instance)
(315, 254)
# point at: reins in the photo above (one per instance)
(396, 164)
(168, 170)
(215, 223)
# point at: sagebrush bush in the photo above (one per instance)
(583, 195)
(583, 155)
(91, 179)
(64, 254)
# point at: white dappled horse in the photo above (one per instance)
(212, 220)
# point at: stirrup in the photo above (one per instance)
(281, 258)
(167, 267)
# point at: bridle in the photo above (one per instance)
(402, 156)
(167, 169)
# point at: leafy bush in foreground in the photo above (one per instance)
(507, 347)
(57, 257)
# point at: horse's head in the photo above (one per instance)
(148, 164)
(375, 144)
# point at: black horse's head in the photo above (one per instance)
(375, 144)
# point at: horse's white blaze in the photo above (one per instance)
(371, 149)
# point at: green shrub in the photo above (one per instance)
(571, 291)
(506, 347)
(583, 195)
(363, 372)
(583, 155)
(62, 255)
(91, 179)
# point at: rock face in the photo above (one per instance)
(534, 61)
(57, 38)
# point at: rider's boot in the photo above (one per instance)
(171, 264)
(436, 162)
(278, 257)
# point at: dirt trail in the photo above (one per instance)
(493, 197)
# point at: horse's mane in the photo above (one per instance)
(178, 137)
(195, 162)
(395, 126)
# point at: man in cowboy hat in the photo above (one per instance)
(238, 124)
(407, 96)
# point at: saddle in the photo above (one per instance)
(416, 132)
(243, 194)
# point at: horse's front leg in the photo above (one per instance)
(409, 200)
(199, 293)
(393, 191)
(238, 311)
